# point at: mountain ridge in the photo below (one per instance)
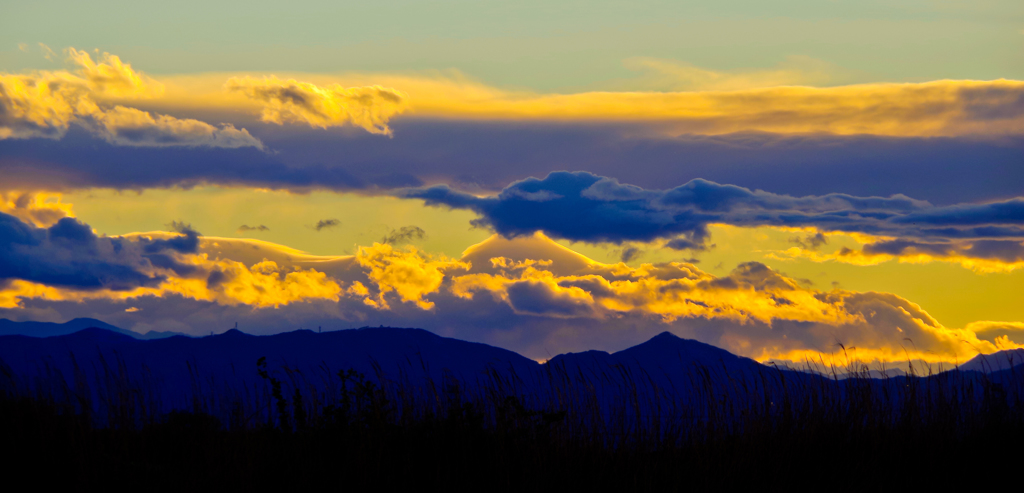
(53, 329)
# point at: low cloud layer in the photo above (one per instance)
(528, 294)
(585, 207)
(68, 261)
(483, 158)
(45, 104)
(981, 255)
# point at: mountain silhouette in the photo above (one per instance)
(176, 366)
(989, 363)
(173, 371)
(51, 329)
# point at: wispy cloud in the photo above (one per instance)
(245, 228)
(404, 234)
(326, 223)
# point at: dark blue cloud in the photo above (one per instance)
(900, 247)
(485, 157)
(581, 206)
(1003, 250)
(997, 213)
(68, 254)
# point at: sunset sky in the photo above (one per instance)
(782, 179)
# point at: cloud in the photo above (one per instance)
(410, 274)
(942, 171)
(113, 78)
(630, 253)
(68, 261)
(582, 206)
(45, 104)
(69, 254)
(129, 126)
(981, 255)
(326, 223)
(754, 310)
(40, 209)
(936, 108)
(1005, 335)
(716, 103)
(812, 241)
(404, 234)
(245, 228)
(291, 101)
(996, 213)
(528, 294)
(672, 75)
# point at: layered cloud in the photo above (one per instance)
(983, 256)
(753, 310)
(301, 102)
(68, 261)
(45, 104)
(526, 293)
(582, 206)
(937, 108)
(714, 104)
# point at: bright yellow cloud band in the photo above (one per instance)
(937, 108)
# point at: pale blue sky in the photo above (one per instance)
(563, 46)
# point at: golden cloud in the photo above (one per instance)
(368, 107)
(753, 311)
(410, 273)
(717, 103)
(45, 104)
(223, 281)
(41, 209)
(958, 253)
(756, 311)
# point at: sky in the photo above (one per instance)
(788, 180)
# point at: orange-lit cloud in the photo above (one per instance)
(262, 285)
(703, 102)
(409, 273)
(1005, 335)
(41, 209)
(756, 311)
(672, 291)
(938, 108)
(981, 256)
(712, 104)
(369, 107)
(753, 311)
(45, 104)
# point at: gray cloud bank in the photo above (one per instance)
(582, 206)
(485, 157)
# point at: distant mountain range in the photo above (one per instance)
(663, 352)
(175, 370)
(51, 329)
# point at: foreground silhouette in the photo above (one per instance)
(668, 413)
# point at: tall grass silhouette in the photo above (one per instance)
(597, 427)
